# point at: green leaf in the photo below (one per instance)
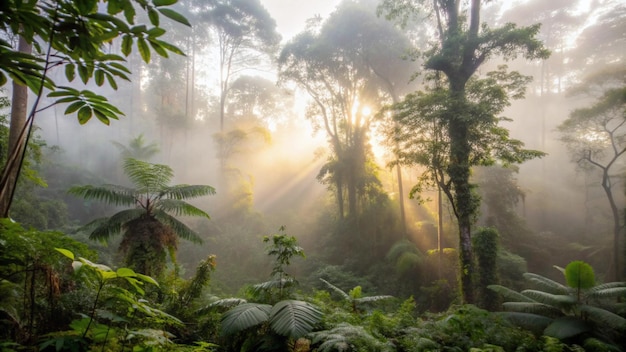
(126, 272)
(294, 318)
(144, 50)
(65, 252)
(101, 117)
(157, 47)
(70, 72)
(127, 44)
(99, 76)
(244, 316)
(153, 15)
(83, 72)
(74, 106)
(171, 14)
(158, 3)
(84, 114)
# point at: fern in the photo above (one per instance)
(604, 317)
(547, 284)
(565, 301)
(510, 294)
(294, 318)
(532, 307)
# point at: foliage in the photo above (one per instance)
(449, 130)
(289, 319)
(595, 139)
(569, 313)
(77, 32)
(117, 315)
(348, 338)
(31, 281)
(137, 148)
(485, 242)
(150, 227)
(283, 248)
(354, 297)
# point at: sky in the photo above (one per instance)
(290, 15)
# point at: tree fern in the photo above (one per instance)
(151, 199)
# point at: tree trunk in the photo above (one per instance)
(17, 137)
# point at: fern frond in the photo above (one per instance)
(400, 247)
(566, 327)
(110, 194)
(559, 301)
(547, 284)
(149, 178)
(604, 317)
(104, 228)
(532, 322)
(186, 191)
(180, 229)
(341, 292)
(244, 316)
(509, 294)
(180, 207)
(294, 318)
(608, 290)
(533, 308)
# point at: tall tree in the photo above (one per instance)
(74, 35)
(149, 227)
(350, 67)
(243, 30)
(596, 138)
(463, 45)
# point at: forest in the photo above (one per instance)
(312, 176)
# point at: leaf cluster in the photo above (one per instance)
(74, 35)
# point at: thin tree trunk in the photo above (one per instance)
(17, 137)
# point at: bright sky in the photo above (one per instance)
(290, 15)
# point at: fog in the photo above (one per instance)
(270, 178)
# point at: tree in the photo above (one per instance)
(243, 29)
(74, 35)
(596, 139)
(149, 228)
(346, 69)
(462, 110)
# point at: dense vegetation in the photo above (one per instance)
(433, 244)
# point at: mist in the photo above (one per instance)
(269, 176)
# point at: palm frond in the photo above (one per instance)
(566, 327)
(547, 284)
(148, 177)
(181, 230)
(550, 299)
(180, 207)
(533, 308)
(509, 294)
(532, 322)
(104, 228)
(294, 318)
(187, 191)
(604, 317)
(341, 292)
(110, 194)
(244, 316)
